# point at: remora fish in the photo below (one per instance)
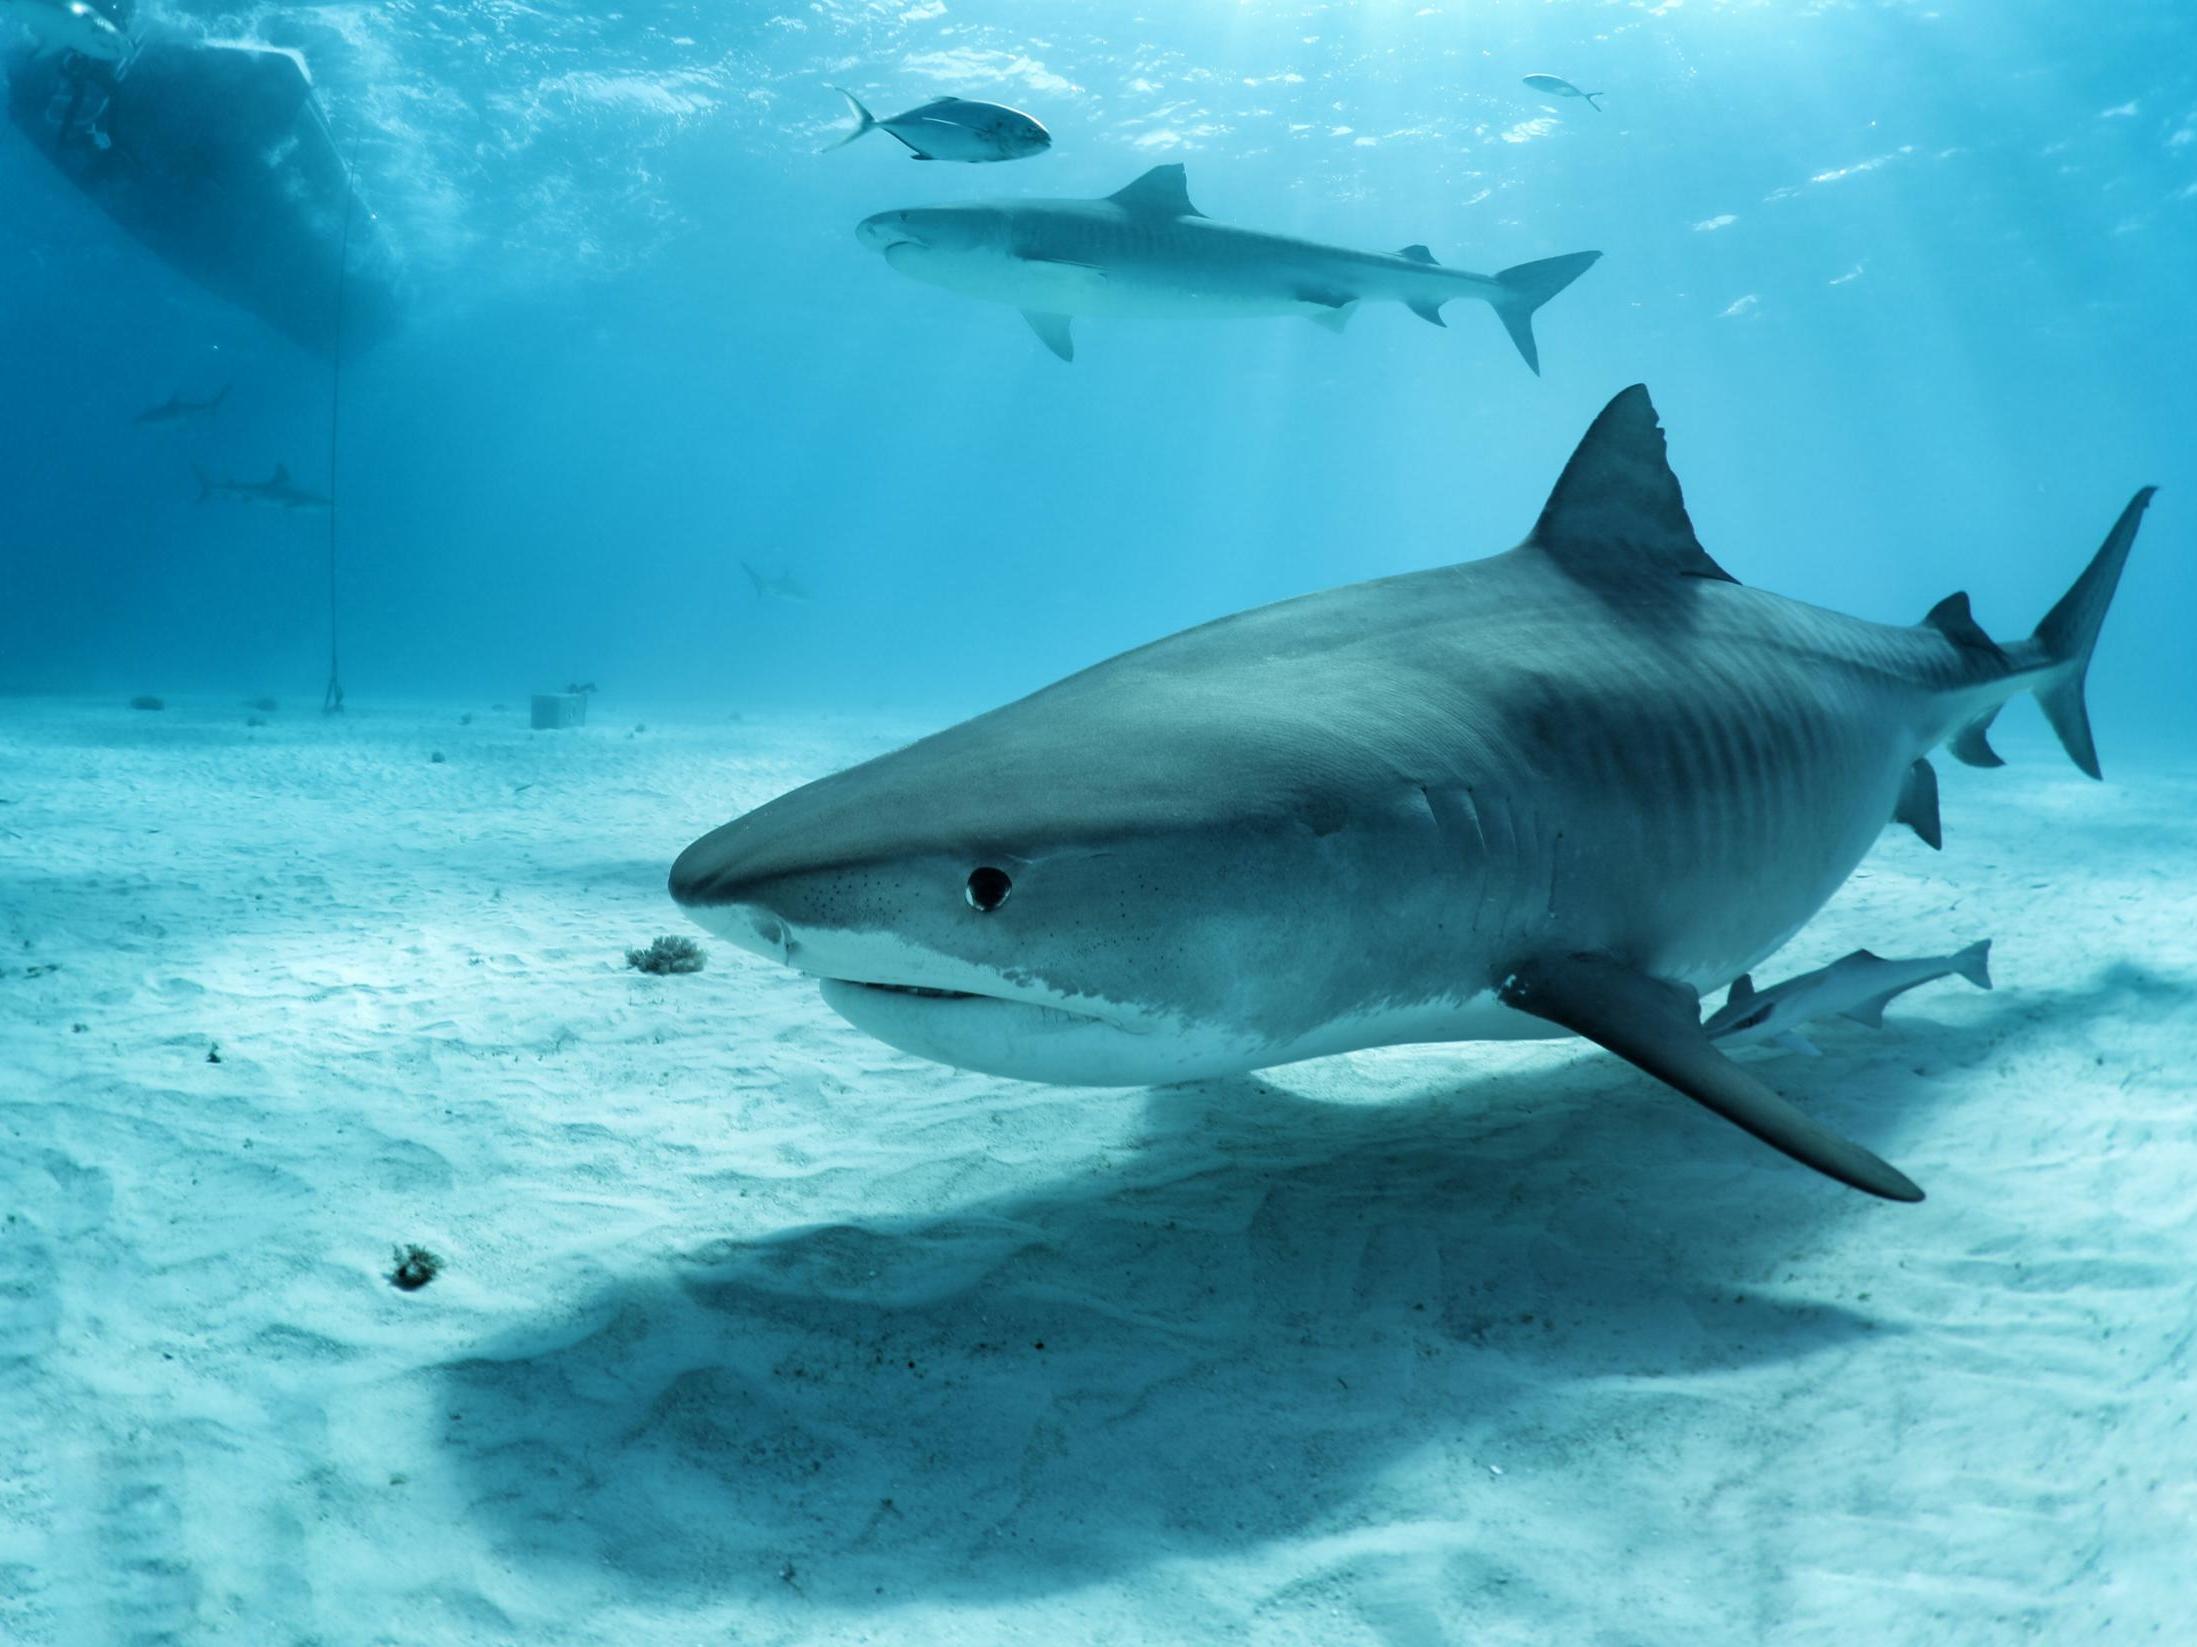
(277, 491)
(1857, 986)
(951, 128)
(175, 409)
(781, 587)
(1146, 251)
(69, 25)
(1557, 86)
(1567, 787)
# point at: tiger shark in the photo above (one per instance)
(1145, 251)
(1565, 788)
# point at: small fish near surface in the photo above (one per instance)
(1557, 86)
(69, 26)
(1495, 800)
(277, 491)
(175, 409)
(1146, 252)
(953, 128)
(1857, 986)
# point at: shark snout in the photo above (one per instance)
(885, 231)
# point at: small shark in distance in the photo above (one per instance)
(1857, 986)
(1566, 788)
(1557, 86)
(951, 128)
(175, 409)
(69, 25)
(781, 587)
(277, 491)
(1146, 251)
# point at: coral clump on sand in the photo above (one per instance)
(416, 1266)
(667, 955)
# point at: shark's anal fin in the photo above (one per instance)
(1052, 331)
(1655, 1025)
(1617, 505)
(1918, 805)
(1164, 191)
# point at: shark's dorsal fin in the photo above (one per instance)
(1417, 254)
(1617, 505)
(1743, 990)
(281, 475)
(1161, 192)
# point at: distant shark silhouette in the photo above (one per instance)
(277, 491)
(1146, 251)
(175, 409)
(781, 587)
(1564, 788)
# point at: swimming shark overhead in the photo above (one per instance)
(1145, 251)
(1566, 787)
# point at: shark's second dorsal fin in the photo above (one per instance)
(1953, 619)
(1161, 192)
(1617, 504)
(1417, 254)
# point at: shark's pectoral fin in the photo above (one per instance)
(1052, 331)
(1655, 1025)
(1918, 804)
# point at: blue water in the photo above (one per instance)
(1910, 286)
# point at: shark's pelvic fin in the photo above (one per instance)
(1971, 746)
(1164, 191)
(1618, 504)
(1918, 805)
(1525, 287)
(1052, 331)
(2069, 634)
(1656, 1026)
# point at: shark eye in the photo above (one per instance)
(987, 889)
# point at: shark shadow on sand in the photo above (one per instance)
(1246, 1319)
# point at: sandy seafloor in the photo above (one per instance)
(755, 1331)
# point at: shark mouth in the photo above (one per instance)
(840, 993)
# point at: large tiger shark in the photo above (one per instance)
(1568, 787)
(1145, 251)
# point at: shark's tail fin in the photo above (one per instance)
(205, 485)
(214, 405)
(2069, 634)
(1526, 287)
(754, 576)
(865, 121)
(1974, 963)
(1591, 103)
